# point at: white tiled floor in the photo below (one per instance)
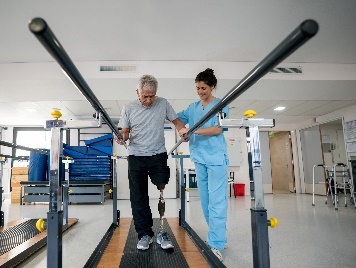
(305, 237)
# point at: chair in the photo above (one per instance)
(230, 181)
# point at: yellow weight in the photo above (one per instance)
(56, 114)
(70, 191)
(114, 154)
(250, 113)
(40, 225)
(273, 222)
(110, 191)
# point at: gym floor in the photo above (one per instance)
(306, 236)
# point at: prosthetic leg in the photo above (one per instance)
(161, 209)
(162, 236)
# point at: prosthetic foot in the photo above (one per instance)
(162, 236)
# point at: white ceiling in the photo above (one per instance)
(174, 40)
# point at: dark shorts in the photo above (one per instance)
(155, 166)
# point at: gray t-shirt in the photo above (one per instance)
(146, 126)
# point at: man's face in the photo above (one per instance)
(146, 97)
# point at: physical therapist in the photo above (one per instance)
(208, 151)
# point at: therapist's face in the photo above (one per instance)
(204, 91)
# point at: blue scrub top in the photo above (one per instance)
(208, 150)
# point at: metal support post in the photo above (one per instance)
(2, 217)
(54, 239)
(182, 188)
(55, 214)
(259, 222)
(116, 213)
(260, 245)
(66, 190)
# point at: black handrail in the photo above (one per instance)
(14, 157)
(20, 147)
(41, 30)
(292, 42)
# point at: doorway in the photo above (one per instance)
(282, 168)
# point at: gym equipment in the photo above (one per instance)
(261, 251)
(45, 35)
(338, 179)
(25, 230)
(259, 222)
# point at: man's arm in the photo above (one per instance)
(125, 133)
(178, 124)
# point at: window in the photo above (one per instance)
(36, 138)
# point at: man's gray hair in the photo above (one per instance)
(149, 82)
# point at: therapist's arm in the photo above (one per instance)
(209, 131)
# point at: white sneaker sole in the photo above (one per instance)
(165, 247)
(145, 248)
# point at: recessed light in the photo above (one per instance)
(30, 110)
(280, 108)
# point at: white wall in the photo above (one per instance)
(348, 114)
(338, 155)
(266, 162)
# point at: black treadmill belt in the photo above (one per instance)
(155, 256)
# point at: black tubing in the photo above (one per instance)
(41, 30)
(292, 42)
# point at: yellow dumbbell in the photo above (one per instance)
(110, 191)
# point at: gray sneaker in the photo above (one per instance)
(164, 240)
(144, 242)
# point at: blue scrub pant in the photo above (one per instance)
(212, 186)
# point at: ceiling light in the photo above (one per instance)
(30, 110)
(280, 108)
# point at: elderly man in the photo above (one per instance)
(142, 123)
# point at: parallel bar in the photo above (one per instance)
(44, 34)
(14, 157)
(291, 43)
(13, 145)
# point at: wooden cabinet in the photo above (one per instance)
(18, 174)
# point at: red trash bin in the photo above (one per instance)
(239, 189)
